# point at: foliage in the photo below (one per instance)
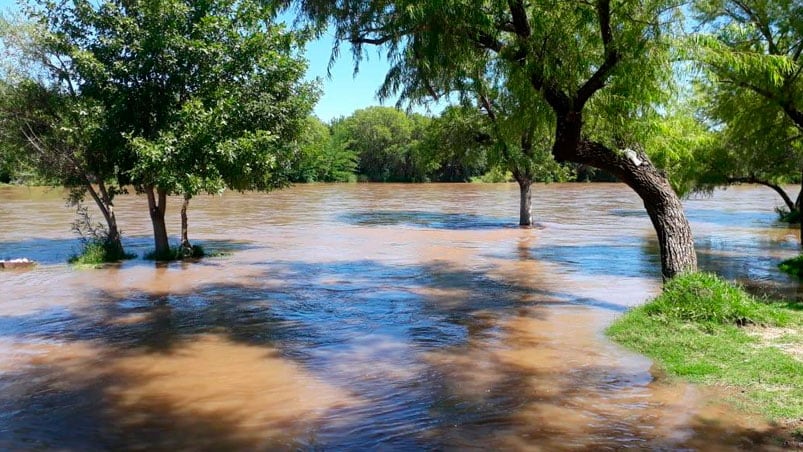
(706, 344)
(678, 144)
(192, 96)
(202, 95)
(384, 140)
(788, 216)
(323, 156)
(495, 175)
(96, 246)
(752, 90)
(793, 266)
(457, 144)
(96, 253)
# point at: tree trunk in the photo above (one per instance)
(157, 212)
(799, 208)
(186, 246)
(103, 199)
(525, 201)
(635, 169)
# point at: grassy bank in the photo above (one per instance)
(709, 331)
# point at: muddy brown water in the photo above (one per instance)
(365, 317)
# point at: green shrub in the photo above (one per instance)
(96, 252)
(786, 216)
(494, 176)
(793, 266)
(703, 297)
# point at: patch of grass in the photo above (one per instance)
(786, 216)
(96, 253)
(177, 253)
(694, 330)
(793, 266)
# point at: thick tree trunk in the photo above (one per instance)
(525, 201)
(186, 246)
(635, 169)
(157, 212)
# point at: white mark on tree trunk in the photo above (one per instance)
(633, 156)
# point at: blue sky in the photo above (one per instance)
(342, 92)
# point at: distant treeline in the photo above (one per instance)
(383, 144)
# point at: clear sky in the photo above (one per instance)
(342, 92)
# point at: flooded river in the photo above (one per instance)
(364, 317)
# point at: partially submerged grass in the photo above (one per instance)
(792, 217)
(708, 331)
(177, 253)
(96, 253)
(793, 266)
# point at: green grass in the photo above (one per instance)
(696, 330)
(786, 216)
(96, 253)
(793, 266)
(175, 253)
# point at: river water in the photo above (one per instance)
(362, 317)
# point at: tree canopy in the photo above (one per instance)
(752, 91)
(196, 96)
(570, 55)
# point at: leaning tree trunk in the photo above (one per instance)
(186, 246)
(525, 201)
(157, 208)
(103, 199)
(635, 169)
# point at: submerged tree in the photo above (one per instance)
(567, 53)
(47, 121)
(197, 95)
(520, 131)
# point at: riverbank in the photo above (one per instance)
(708, 331)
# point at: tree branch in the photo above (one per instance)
(754, 180)
(762, 27)
(521, 24)
(600, 77)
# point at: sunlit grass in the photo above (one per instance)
(96, 253)
(697, 329)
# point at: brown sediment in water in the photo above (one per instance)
(351, 317)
